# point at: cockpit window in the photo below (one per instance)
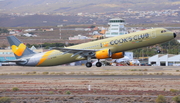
(163, 31)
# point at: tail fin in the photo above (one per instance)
(18, 48)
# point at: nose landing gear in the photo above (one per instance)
(158, 51)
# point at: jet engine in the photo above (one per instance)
(103, 54)
(117, 55)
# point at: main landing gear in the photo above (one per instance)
(89, 64)
(98, 64)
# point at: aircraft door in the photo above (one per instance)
(153, 35)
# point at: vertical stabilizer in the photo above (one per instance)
(18, 48)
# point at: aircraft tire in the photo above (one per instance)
(159, 51)
(88, 64)
(98, 64)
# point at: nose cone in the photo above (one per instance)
(174, 35)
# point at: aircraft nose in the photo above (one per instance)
(174, 35)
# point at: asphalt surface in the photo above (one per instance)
(89, 76)
(13, 69)
(83, 96)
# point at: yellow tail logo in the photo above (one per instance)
(18, 50)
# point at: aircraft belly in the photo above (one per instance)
(62, 59)
(33, 61)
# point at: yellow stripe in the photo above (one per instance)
(44, 57)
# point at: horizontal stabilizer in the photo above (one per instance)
(16, 61)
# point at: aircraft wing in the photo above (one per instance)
(82, 52)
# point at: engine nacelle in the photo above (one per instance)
(103, 54)
(117, 55)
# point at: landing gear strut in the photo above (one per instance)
(158, 50)
(89, 64)
(98, 64)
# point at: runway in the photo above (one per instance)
(106, 84)
(89, 76)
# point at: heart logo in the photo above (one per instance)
(18, 50)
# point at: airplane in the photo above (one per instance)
(113, 47)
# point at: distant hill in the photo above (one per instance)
(74, 6)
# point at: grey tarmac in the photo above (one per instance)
(90, 76)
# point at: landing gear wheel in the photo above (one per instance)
(159, 51)
(88, 64)
(98, 64)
